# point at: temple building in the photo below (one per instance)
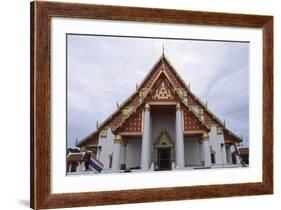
(162, 126)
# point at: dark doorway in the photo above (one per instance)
(213, 159)
(164, 159)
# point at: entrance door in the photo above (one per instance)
(164, 159)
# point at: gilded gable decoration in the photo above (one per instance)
(127, 111)
(200, 112)
(182, 93)
(163, 140)
(143, 93)
(163, 92)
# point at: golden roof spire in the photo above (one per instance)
(162, 59)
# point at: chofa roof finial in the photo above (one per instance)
(163, 49)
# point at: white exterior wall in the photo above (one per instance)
(106, 148)
(192, 151)
(151, 148)
(216, 141)
(229, 155)
(133, 153)
(202, 155)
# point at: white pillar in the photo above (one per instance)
(179, 139)
(207, 152)
(116, 153)
(98, 152)
(228, 155)
(223, 151)
(237, 155)
(123, 152)
(201, 152)
(145, 144)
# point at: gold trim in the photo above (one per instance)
(227, 141)
(178, 107)
(162, 103)
(117, 139)
(147, 107)
(103, 133)
(237, 144)
(205, 136)
(219, 130)
(163, 140)
(92, 145)
(143, 93)
(200, 112)
(194, 132)
(163, 92)
(131, 133)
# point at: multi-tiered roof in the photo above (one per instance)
(162, 85)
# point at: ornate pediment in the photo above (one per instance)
(163, 92)
(164, 140)
(192, 122)
(134, 123)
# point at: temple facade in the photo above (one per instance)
(162, 126)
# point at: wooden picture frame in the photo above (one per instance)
(41, 14)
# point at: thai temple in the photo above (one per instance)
(161, 126)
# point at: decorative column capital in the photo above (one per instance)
(118, 139)
(147, 107)
(178, 107)
(205, 136)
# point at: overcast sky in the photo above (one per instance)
(104, 70)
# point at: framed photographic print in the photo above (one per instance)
(148, 104)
